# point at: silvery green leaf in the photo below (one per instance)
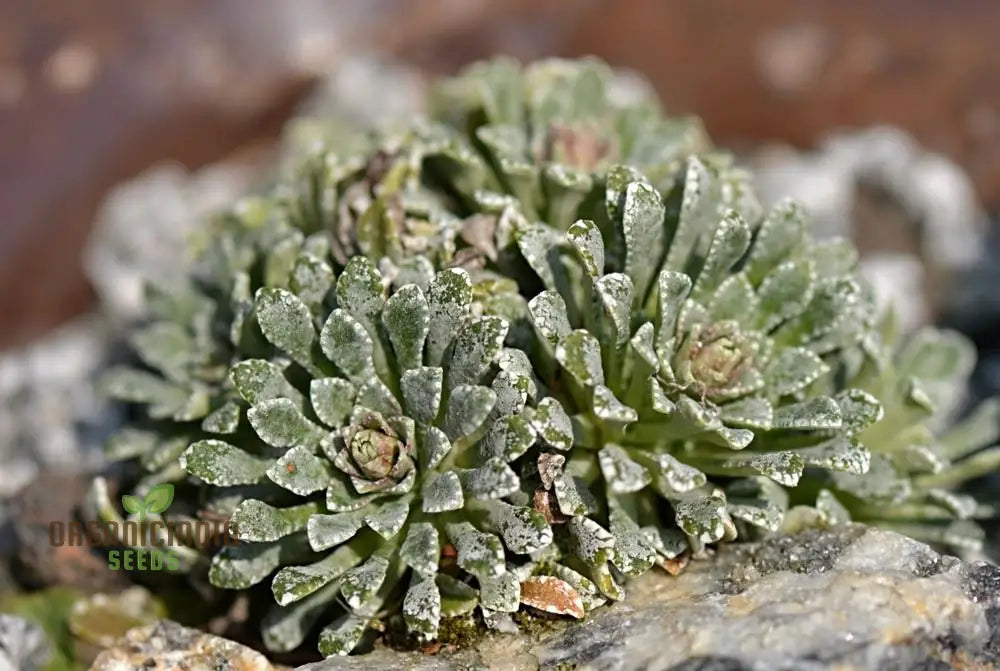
(348, 345)
(658, 399)
(735, 300)
(579, 352)
(642, 345)
(164, 454)
(614, 291)
(493, 480)
(859, 409)
(537, 242)
(434, 445)
(793, 370)
(672, 475)
(524, 530)
(698, 215)
(286, 323)
(407, 320)
(644, 229)
(136, 386)
(590, 541)
(962, 506)
(500, 593)
(830, 509)
(219, 463)
(297, 582)
(702, 517)
(729, 243)
(816, 413)
(280, 423)
(752, 412)
(259, 380)
(610, 409)
(414, 270)
(697, 415)
(325, 531)
(388, 518)
(244, 565)
(552, 424)
(375, 395)
(343, 635)
(782, 233)
(757, 501)
(674, 288)
(360, 293)
(422, 606)
(195, 406)
(332, 399)
(622, 473)
(586, 240)
(476, 348)
(882, 481)
(300, 471)
(223, 420)
(442, 492)
(448, 298)
(785, 292)
(478, 553)
(512, 393)
(573, 496)
(468, 408)
(548, 314)
(129, 443)
(341, 497)
(421, 388)
(284, 628)
(167, 347)
(670, 542)
(507, 438)
(378, 230)
(782, 467)
(361, 583)
(833, 256)
(281, 258)
(980, 428)
(421, 548)
(311, 280)
(258, 522)
(457, 598)
(916, 458)
(633, 555)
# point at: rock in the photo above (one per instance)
(51, 414)
(849, 597)
(23, 646)
(167, 646)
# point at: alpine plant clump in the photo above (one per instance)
(522, 351)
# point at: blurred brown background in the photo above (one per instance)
(93, 91)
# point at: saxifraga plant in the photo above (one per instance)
(522, 352)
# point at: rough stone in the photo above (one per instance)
(843, 598)
(167, 646)
(23, 645)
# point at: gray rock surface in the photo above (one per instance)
(845, 598)
(167, 646)
(51, 414)
(23, 645)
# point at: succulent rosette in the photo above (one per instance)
(520, 352)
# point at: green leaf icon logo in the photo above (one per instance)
(159, 498)
(157, 501)
(132, 504)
